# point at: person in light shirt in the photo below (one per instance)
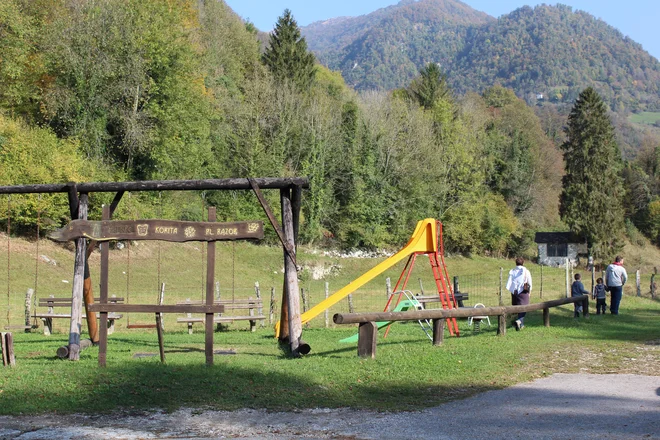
(520, 285)
(615, 277)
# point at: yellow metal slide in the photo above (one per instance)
(424, 239)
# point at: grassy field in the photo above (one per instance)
(251, 370)
(648, 118)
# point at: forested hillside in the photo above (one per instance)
(543, 53)
(140, 89)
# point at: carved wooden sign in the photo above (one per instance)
(166, 230)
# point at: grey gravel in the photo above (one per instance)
(562, 406)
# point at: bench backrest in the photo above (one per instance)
(66, 302)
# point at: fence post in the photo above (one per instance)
(500, 292)
(350, 303)
(639, 283)
(653, 284)
(257, 291)
(541, 287)
(327, 293)
(593, 280)
(421, 287)
(388, 291)
(568, 282)
(28, 309)
(272, 306)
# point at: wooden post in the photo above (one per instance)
(585, 307)
(438, 331)
(653, 286)
(3, 346)
(593, 280)
(388, 291)
(304, 299)
(546, 317)
(501, 325)
(568, 280)
(291, 276)
(638, 280)
(159, 331)
(271, 310)
(327, 313)
(541, 287)
(9, 342)
(88, 298)
(421, 286)
(367, 334)
(210, 283)
(501, 302)
(28, 309)
(78, 286)
(350, 303)
(257, 292)
(103, 326)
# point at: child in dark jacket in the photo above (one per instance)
(600, 293)
(577, 289)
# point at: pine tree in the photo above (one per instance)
(287, 56)
(430, 86)
(591, 202)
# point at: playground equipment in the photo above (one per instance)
(410, 303)
(425, 240)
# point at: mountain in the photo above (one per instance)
(386, 48)
(545, 53)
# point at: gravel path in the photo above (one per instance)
(563, 406)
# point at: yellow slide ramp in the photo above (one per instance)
(424, 239)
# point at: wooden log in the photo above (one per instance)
(161, 185)
(210, 282)
(291, 276)
(546, 317)
(367, 334)
(438, 331)
(63, 351)
(414, 315)
(164, 230)
(78, 286)
(9, 343)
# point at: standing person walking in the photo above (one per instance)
(519, 284)
(615, 278)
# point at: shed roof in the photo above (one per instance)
(557, 237)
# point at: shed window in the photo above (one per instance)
(557, 249)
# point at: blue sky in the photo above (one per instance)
(637, 19)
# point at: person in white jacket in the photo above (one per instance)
(615, 277)
(519, 284)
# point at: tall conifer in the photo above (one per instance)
(287, 56)
(591, 202)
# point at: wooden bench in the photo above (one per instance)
(52, 302)
(253, 307)
(460, 297)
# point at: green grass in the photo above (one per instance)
(408, 372)
(648, 118)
